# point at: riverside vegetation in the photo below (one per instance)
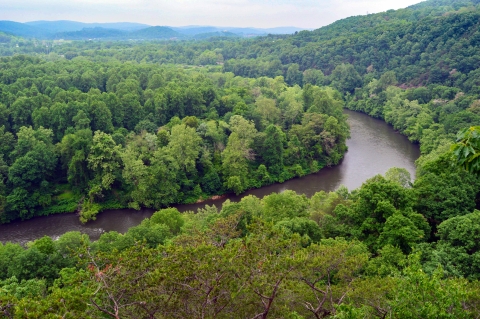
(94, 125)
(91, 139)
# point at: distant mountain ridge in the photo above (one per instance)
(91, 33)
(192, 30)
(70, 26)
(73, 30)
(21, 29)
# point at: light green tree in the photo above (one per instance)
(467, 149)
(184, 146)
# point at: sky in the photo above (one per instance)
(233, 13)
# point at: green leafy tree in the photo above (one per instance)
(345, 78)
(154, 179)
(399, 175)
(184, 146)
(457, 250)
(294, 75)
(104, 163)
(104, 159)
(422, 295)
(237, 154)
(268, 112)
(21, 112)
(151, 234)
(383, 214)
(285, 205)
(328, 270)
(443, 190)
(7, 254)
(101, 117)
(33, 263)
(313, 77)
(35, 161)
(272, 153)
(170, 217)
(467, 149)
(70, 243)
(74, 149)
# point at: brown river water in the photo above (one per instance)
(374, 148)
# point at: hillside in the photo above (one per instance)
(73, 30)
(150, 33)
(23, 30)
(421, 44)
(69, 26)
(393, 40)
(91, 33)
(5, 38)
(207, 35)
(194, 30)
(155, 33)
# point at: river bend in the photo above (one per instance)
(374, 148)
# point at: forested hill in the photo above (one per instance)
(73, 30)
(420, 43)
(146, 135)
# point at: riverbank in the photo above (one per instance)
(374, 147)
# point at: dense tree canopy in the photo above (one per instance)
(113, 134)
(94, 125)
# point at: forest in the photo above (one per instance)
(92, 125)
(147, 135)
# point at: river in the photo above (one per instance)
(374, 148)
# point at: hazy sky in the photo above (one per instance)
(241, 13)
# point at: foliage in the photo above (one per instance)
(110, 124)
(146, 135)
(467, 149)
